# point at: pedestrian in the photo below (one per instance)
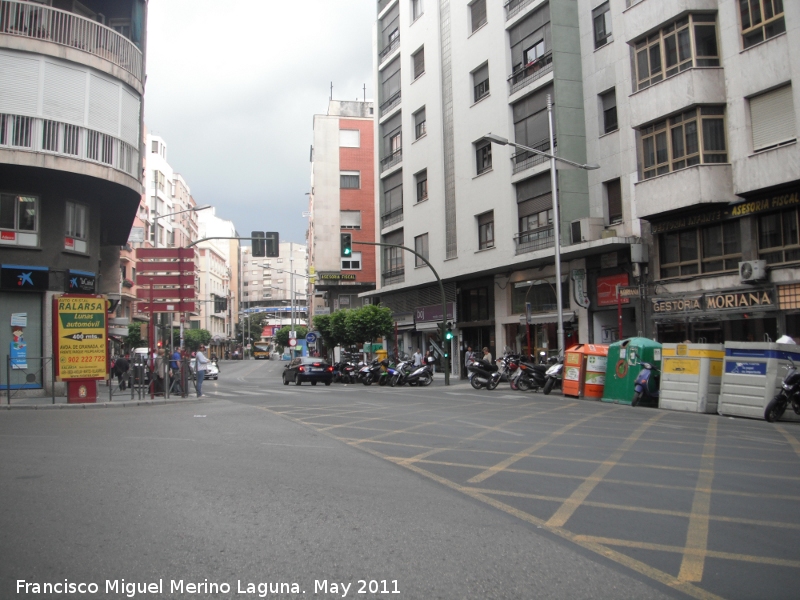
(161, 371)
(417, 358)
(121, 366)
(430, 359)
(487, 356)
(469, 358)
(175, 372)
(201, 363)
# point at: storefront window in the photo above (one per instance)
(778, 237)
(541, 295)
(707, 249)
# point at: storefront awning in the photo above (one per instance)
(428, 325)
(550, 317)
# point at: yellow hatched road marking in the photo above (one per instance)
(789, 438)
(563, 514)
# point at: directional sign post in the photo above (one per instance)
(311, 337)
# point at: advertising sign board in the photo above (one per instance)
(80, 340)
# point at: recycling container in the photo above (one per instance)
(623, 365)
(752, 376)
(691, 376)
(585, 370)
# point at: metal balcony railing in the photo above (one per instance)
(392, 217)
(523, 159)
(396, 275)
(393, 45)
(513, 7)
(391, 160)
(529, 73)
(393, 101)
(26, 19)
(537, 239)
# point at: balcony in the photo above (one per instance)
(34, 21)
(525, 160)
(391, 160)
(392, 217)
(537, 239)
(514, 7)
(529, 73)
(394, 44)
(396, 275)
(685, 188)
(393, 101)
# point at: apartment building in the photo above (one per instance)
(342, 201)
(72, 78)
(691, 113)
(448, 74)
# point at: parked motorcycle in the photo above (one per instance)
(532, 377)
(508, 366)
(344, 372)
(370, 373)
(790, 392)
(422, 376)
(646, 386)
(554, 375)
(484, 374)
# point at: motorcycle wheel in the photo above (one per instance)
(524, 384)
(383, 381)
(393, 381)
(493, 383)
(637, 397)
(512, 382)
(368, 379)
(426, 380)
(475, 384)
(775, 409)
(548, 386)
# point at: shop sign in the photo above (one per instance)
(80, 337)
(434, 312)
(80, 282)
(723, 301)
(607, 289)
(772, 203)
(22, 278)
(336, 276)
(689, 221)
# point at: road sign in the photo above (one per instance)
(292, 342)
(311, 337)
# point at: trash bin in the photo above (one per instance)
(691, 376)
(752, 375)
(381, 354)
(623, 365)
(585, 370)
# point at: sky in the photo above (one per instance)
(233, 86)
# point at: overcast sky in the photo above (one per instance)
(232, 88)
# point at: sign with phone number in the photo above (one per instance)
(81, 340)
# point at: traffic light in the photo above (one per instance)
(273, 244)
(259, 244)
(347, 244)
(448, 334)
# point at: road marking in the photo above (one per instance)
(491, 428)
(566, 510)
(693, 561)
(766, 441)
(249, 393)
(166, 439)
(296, 445)
(789, 438)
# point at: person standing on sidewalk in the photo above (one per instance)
(175, 378)
(201, 362)
(469, 357)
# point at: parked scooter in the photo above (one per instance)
(484, 374)
(344, 372)
(553, 374)
(532, 377)
(423, 375)
(646, 386)
(790, 392)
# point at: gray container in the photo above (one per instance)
(691, 377)
(752, 376)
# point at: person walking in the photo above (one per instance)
(417, 358)
(201, 362)
(121, 366)
(469, 357)
(430, 359)
(175, 367)
(161, 371)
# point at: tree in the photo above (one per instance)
(192, 338)
(339, 331)
(255, 328)
(134, 337)
(369, 322)
(282, 335)
(322, 323)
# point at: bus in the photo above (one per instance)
(261, 350)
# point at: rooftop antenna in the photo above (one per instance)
(331, 98)
(365, 92)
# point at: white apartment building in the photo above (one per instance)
(691, 113)
(447, 74)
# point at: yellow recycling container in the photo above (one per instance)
(691, 376)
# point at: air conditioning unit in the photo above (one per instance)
(586, 230)
(753, 271)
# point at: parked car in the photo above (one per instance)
(307, 368)
(212, 372)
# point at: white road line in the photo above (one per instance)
(492, 428)
(249, 393)
(296, 445)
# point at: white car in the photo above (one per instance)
(212, 372)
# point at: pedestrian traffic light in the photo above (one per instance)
(273, 244)
(259, 244)
(347, 244)
(448, 334)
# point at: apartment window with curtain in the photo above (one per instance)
(601, 17)
(420, 123)
(483, 156)
(671, 50)
(693, 137)
(613, 190)
(608, 101)
(530, 39)
(486, 230)
(350, 180)
(76, 221)
(772, 118)
(421, 247)
(418, 60)
(761, 20)
(416, 9)
(477, 11)
(480, 82)
(421, 181)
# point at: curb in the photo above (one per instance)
(123, 404)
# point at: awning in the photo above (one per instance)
(428, 325)
(551, 317)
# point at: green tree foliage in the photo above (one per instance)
(192, 338)
(255, 329)
(339, 330)
(322, 323)
(282, 335)
(369, 322)
(134, 337)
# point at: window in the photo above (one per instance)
(535, 213)
(390, 32)
(537, 229)
(419, 62)
(159, 180)
(761, 20)
(613, 190)
(416, 9)
(693, 137)
(18, 213)
(420, 123)
(420, 247)
(531, 128)
(530, 42)
(478, 13)
(154, 149)
(778, 238)
(669, 51)
(702, 250)
(350, 219)
(76, 221)
(486, 230)
(392, 211)
(609, 103)
(483, 156)
(393, 257)
(350, 180)
(421, 180)
(349, 138)
(480, 82)
(352, 262)
(772, 118)
(602, 25)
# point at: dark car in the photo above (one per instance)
(307, 368)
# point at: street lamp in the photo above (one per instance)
(157, 216)
(556, 217)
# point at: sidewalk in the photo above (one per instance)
(120, 400)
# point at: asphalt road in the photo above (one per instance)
(439, 492)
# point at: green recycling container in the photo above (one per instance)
(624, 363)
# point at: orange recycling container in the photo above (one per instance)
(585, 370)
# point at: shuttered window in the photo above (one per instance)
(350, 180)
(480, 82)
(478, 12)
(614, 200)
(350, 219)
(609, 100)
(420, 123)
(419, 62)
(772, 118)
(486, 230)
